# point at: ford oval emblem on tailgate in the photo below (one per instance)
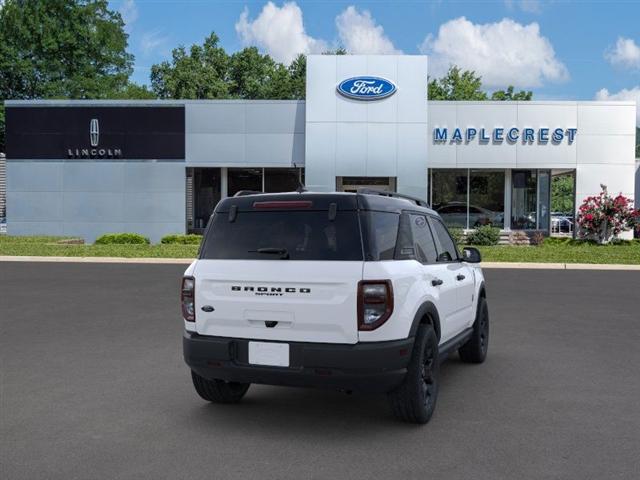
(366, 88)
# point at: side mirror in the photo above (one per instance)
(471, 255)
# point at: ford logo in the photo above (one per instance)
(366, 88)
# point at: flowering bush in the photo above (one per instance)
(604, 217)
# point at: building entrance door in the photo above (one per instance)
(352, 184)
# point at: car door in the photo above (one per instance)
(438, 277)
(461, 276)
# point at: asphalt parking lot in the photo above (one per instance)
(93, 386)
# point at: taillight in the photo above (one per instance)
(284, 204)
(375, 303)
(187, 295)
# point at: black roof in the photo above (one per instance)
(321, 201)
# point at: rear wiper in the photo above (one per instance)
(284, 254)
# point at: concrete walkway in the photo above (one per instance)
(186, 261)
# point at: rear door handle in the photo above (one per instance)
(460, 277)
(436, 282)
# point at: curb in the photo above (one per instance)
(559, 266)
(186, 261)
(170, 261)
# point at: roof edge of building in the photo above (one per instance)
(153, 103)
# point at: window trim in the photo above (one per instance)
(458, 258)
(413, 240)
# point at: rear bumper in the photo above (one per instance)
(369, 367)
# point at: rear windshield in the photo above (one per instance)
(278, 235)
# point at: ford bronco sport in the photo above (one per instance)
(352, 291)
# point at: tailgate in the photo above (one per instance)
(299, 301)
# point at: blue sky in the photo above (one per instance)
(559, 49)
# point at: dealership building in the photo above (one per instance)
(84, 168)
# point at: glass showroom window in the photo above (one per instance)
(243, 179)
(448, 195)
(468, 198)
(544, 200)
(205, 191)
(282, 179)
(486, 198)
(524, 193)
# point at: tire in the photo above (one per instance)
(475, 350)
(415, 399)
(219, 391)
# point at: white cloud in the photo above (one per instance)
(528, 6)
(626, 53)
(278, 31)
(129, 12)
(151, 41)
(632, 94)
(504, 53)
(360, 34)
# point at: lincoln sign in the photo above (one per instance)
(94, 153)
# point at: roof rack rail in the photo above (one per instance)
(244, 193)
(373, 191)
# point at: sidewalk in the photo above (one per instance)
(186, 261)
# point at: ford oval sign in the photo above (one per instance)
(366, 88)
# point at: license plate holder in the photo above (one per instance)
(270, 354)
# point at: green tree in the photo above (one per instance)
(134, 91)
(298, 74)
(457, 85)
(256, 76)
(61, 49)
(208, 72)
(562, 193)
(337, 51)
(510, 95)
(199, 74)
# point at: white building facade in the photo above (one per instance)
(84, 168)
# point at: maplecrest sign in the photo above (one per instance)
(510, 135)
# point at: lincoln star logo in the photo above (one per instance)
(94, 141)
(94, 132)
(366, 88)
(269, 291)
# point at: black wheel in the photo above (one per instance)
(415, 399)
(475, 350)
(219, 391)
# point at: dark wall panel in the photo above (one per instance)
(145, 132)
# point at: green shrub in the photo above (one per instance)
(190, 239)
(557, 241)
(122, 239)
(537, 239)
(20, 239)
(485, 235)
(457, 234)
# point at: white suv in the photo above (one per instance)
(353, 291)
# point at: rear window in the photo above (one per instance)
(303, 235)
